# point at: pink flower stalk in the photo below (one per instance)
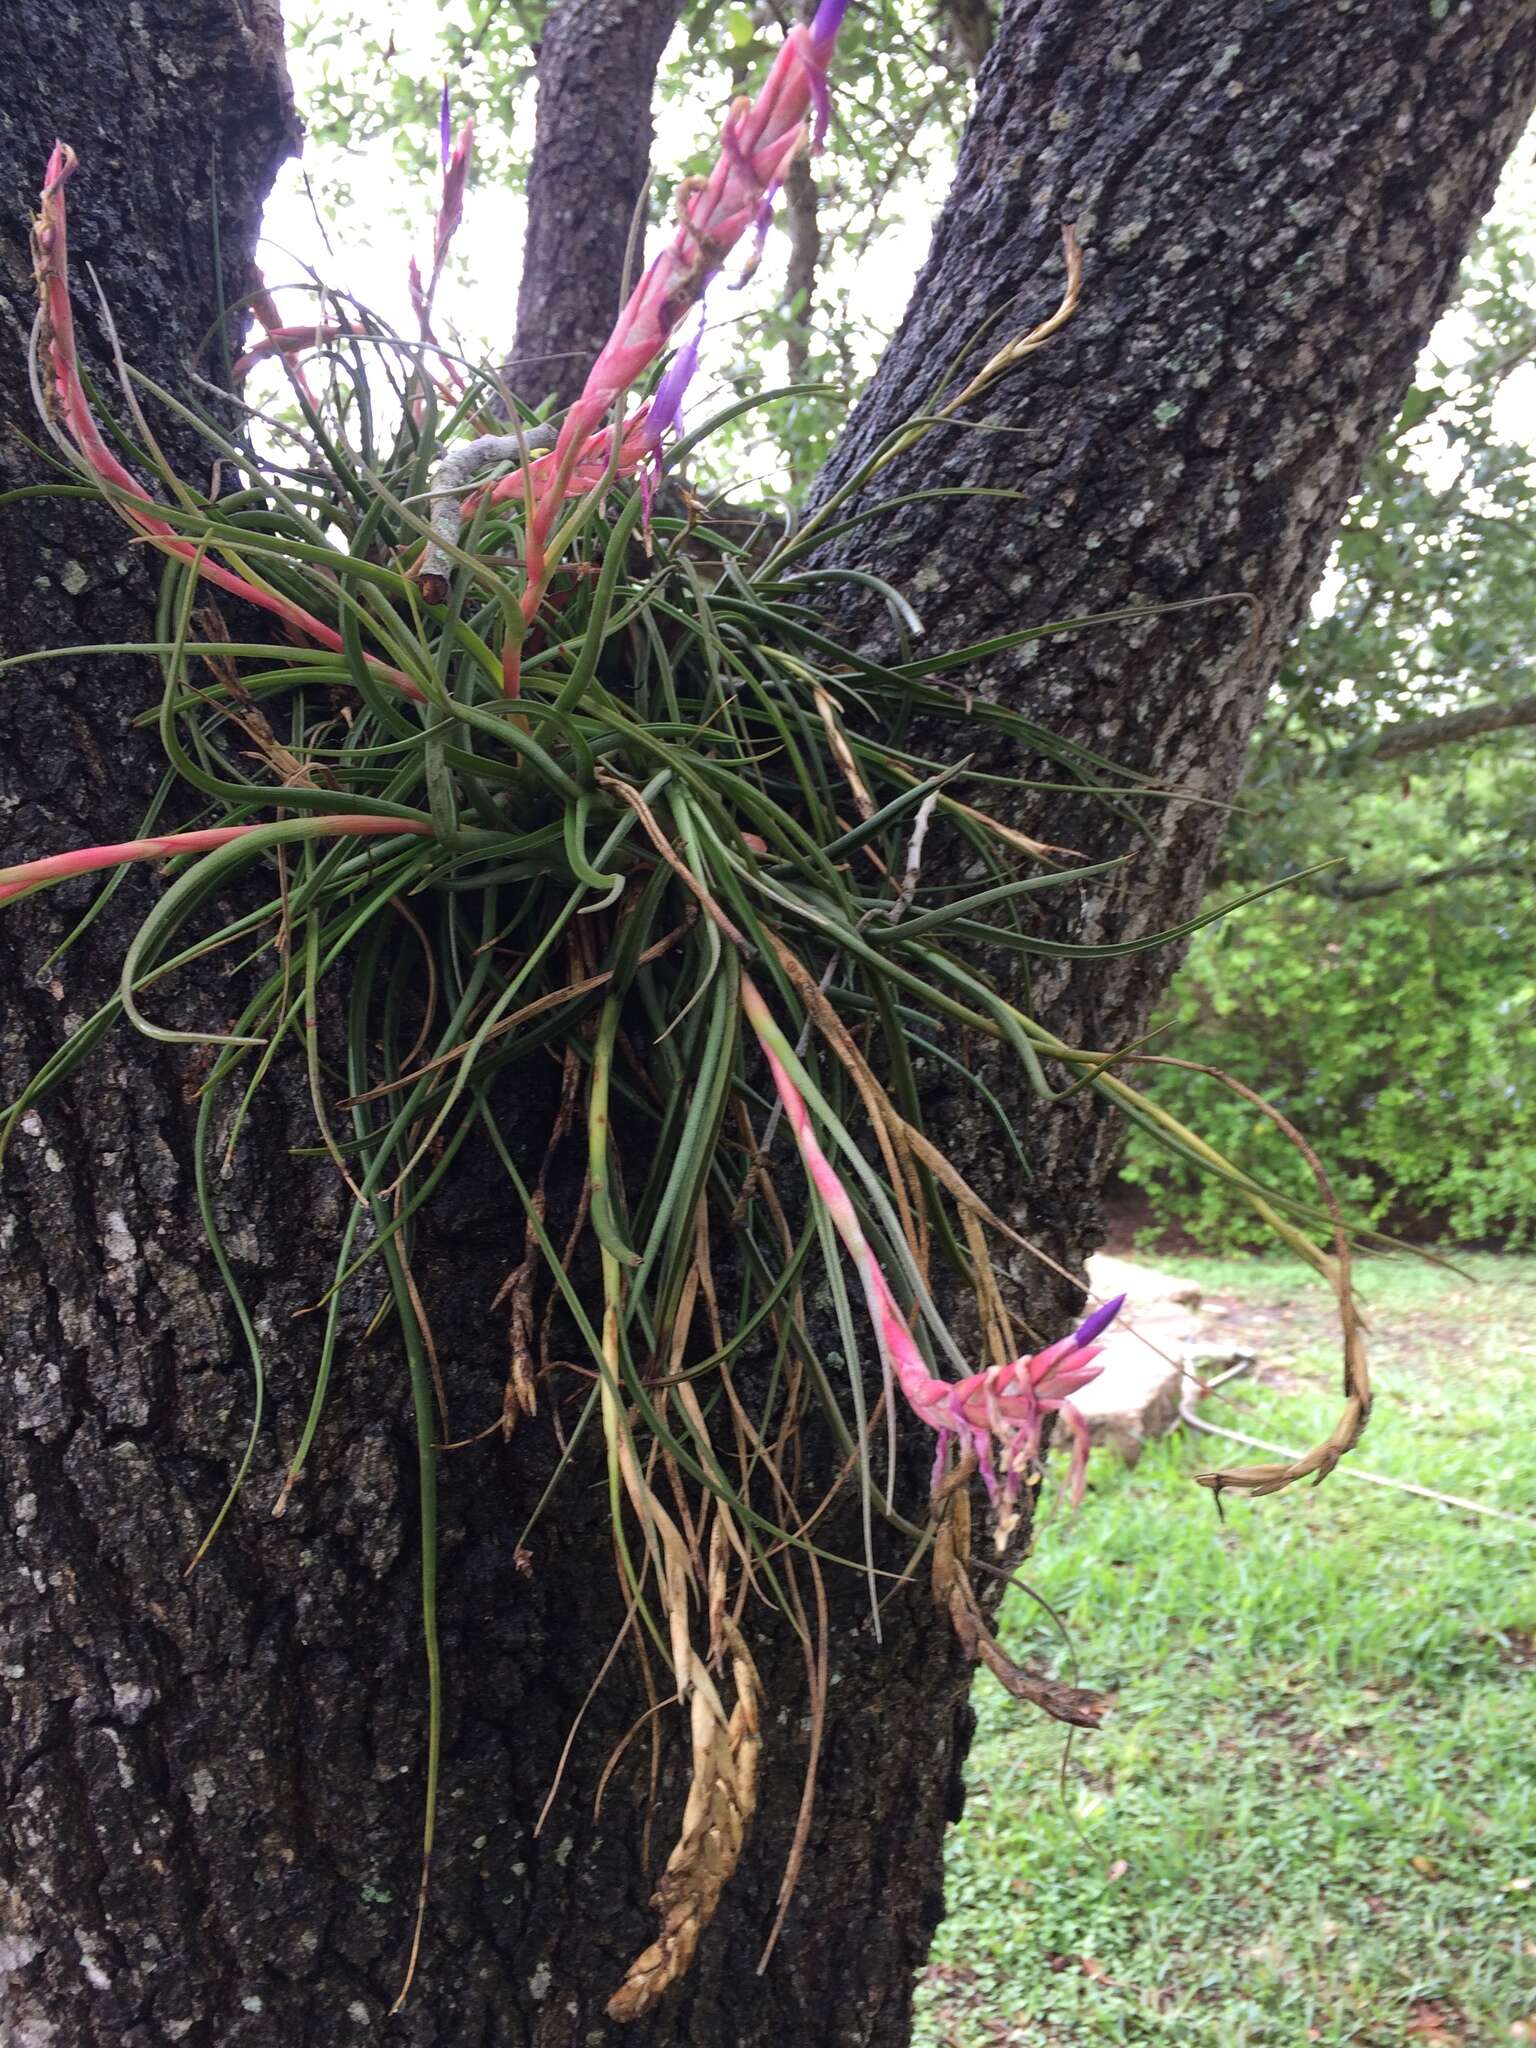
(288, 342)
(85, 860)
(419, 305)
(450, 213)
(455, 176)
(65, 406)
(640, 450)
(449, 383)
(264, 306)
(587, 470)
(1007, 1404)
(758, 142)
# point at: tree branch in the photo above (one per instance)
(799, 294)
(1459, 871)
(1471, 724)
(971, 29)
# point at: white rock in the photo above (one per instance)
(1136, 1396)
(1155, 1355)
(1108, 1277)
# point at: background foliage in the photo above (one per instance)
(1396, 1032)
(1389, 1008)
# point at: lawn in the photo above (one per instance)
(1311, 1813)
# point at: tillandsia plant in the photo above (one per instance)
(646, 820)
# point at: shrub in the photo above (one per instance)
(1397, 1034)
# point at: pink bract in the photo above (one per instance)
(67, 409)
(1003, 1407)
(759, 139)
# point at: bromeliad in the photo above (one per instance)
(758, 142)
(1006, 1405)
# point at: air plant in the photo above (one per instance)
(649, 816)
(1006, 1402)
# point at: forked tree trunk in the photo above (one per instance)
(211, 1784)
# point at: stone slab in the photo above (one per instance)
(1109, 1276)
(1136, 1396)
(1154, 1355)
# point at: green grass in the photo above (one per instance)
(1311, 1813)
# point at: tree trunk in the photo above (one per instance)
(211, 1783)
(591, 166)
(1273, 200)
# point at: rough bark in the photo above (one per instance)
(1273, 197)
(211, 1784)
(109, 1342)
(591, 164)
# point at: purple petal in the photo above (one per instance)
(983, 1447)
(445, 125)
(666, 410)
(821, 100)
(762, 221)
(1099, 1320)
(828, 20)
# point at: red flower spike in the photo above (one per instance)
(85, 860)
(758, 141)
(66, 409)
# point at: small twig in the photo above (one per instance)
(454, 474)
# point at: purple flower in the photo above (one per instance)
(665, 414)
(820, 35)
(1099, 1320)
(828, 20)
(444, 126)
